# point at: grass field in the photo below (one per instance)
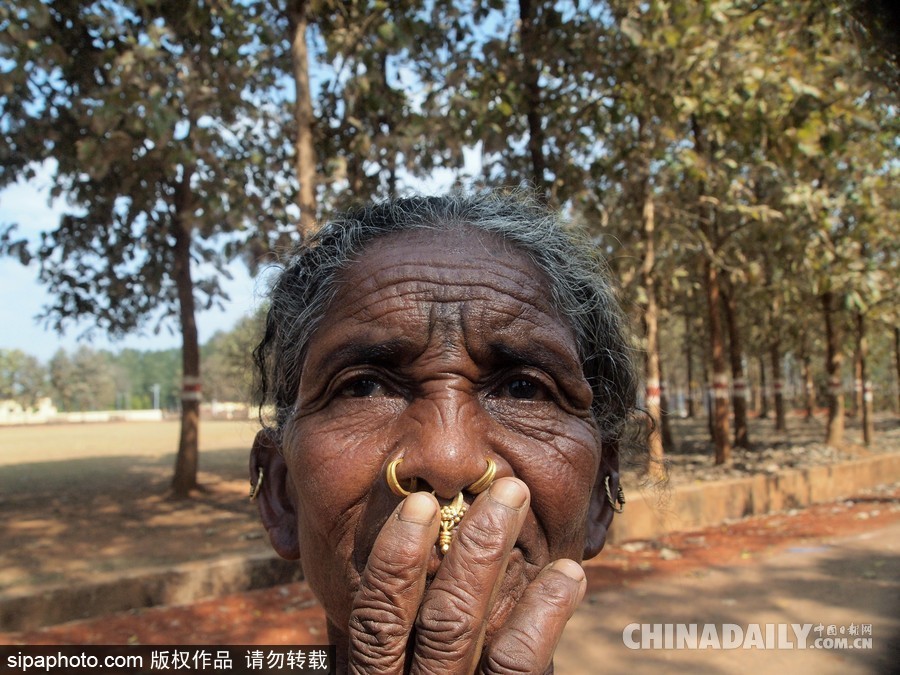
(51, 443)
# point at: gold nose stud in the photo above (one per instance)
(451, 515)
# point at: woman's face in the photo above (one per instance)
(440, 347)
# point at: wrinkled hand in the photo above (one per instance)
(396, 625)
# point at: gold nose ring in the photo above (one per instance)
(475, 488)
(452, 514)
(486, 479)
(394, 484)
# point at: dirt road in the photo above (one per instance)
(853, 580)
(831, 564)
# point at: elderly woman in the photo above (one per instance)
(451, 377)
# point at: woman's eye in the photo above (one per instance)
(525, 390)
(364, 388)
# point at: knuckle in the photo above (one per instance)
(446, 632)
(482, 542)
(388, 577)
(517, 650)
(379, 625)
(375, 622)
(515, 653)
(376, 639)
(445, 619)
(393, 574)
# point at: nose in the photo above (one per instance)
(443, 442)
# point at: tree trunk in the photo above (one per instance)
(868, 426)
(720, 373)
(808, 387)
(739, 384)
(304, 147)
(187, 460)
(857, 399)
(897, 360)
(655, 467)
(763, 390)
(664, 412)
(833, 359)
(778, 386)
(530, 38)
(709, 224)
(689, 355)
(708, 402)
(387, 121)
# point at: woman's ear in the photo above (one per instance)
(601, 509)
(275, 497)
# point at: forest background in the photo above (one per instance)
(735, 162)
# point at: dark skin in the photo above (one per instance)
(440, 348)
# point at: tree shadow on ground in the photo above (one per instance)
(78, 519)
(692, 436)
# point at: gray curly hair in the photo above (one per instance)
(579, 286)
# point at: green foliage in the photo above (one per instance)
(90, 379)
(22, 378)
(100, 380)
(228, 361)
(369, 129)
(154, 117)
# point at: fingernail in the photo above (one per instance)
(570, 568)
(418, 508)
(510, 493)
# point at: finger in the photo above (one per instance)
(392, 586)
(529, 637)
(452, 621)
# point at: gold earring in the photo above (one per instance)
(486, 479)
(617, 504)
(254, 489)
(394, 484)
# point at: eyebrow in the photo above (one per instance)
(505, 355)
(388, 352)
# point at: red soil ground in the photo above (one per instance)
(291, 615)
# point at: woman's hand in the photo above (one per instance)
(398, 626)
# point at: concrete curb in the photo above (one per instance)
(702, 504)
(648, 515)
(177, 585)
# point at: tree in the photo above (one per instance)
(144, 371)
(228, 362)
(94, 380)
(353, 127)
(62, 380)
(22, 378)
(154, 115)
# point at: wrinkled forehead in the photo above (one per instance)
(461, 279)
(453, 265)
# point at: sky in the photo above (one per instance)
(22, 297)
